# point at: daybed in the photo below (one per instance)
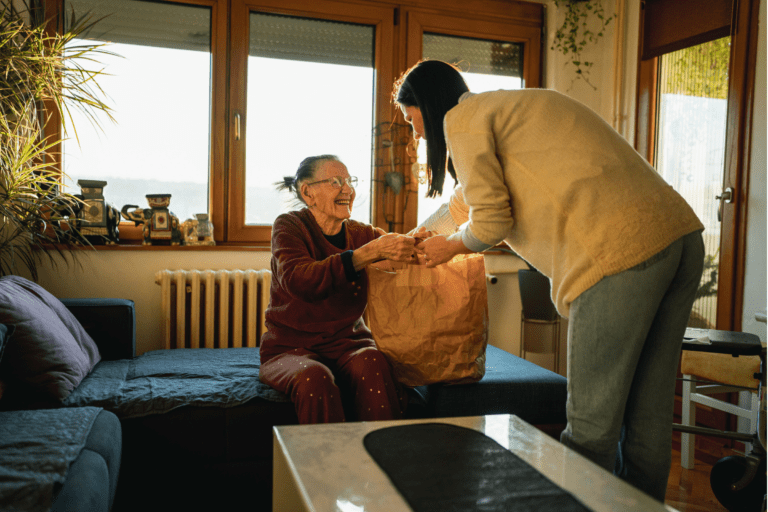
(197, 423)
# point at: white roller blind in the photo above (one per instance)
(476, 55)
(164, 25)
(310, 40)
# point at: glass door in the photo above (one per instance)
(690, 148)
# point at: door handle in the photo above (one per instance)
(237, 126)
(725, 197)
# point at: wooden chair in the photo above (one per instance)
(540, 322)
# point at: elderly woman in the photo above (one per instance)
(317, 349)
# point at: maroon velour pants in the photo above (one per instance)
(316, 385)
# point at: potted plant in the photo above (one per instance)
(41, 71)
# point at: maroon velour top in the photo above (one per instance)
(312, 304)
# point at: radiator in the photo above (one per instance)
(213, 309)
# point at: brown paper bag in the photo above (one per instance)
(431, 323)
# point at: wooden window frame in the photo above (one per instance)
(129, 233)
(522, 24)
(397, 46)
(380, 17)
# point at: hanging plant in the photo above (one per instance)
(585, 22)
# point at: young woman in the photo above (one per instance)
(622, 249)
(317, 349)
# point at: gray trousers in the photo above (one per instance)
(624, 340)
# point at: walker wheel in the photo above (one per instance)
(729, 470)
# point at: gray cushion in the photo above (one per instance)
(36, 450)
(49, 349)
(92, 477)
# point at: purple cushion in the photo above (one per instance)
(49, 349)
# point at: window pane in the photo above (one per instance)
(486, 66)
(310, 92)
(159, 86)
(693, 88)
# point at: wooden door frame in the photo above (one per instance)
(738, 145)
(741, 91)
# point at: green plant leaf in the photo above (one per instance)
(584, 23)
(40, 70)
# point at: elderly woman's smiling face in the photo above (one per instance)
(330, 204)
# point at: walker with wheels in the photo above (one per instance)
(738, 481)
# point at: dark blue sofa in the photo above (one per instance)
(511, 385)
(196, 454)
(51, 457)
(59, 459)
(228, 450)
(95, 469)
(199, 456)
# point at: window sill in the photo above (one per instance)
(137, 246)
(131, 240)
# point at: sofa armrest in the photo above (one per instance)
(110, 322)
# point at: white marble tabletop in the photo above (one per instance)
(326, 468)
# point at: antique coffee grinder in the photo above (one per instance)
(96, 220)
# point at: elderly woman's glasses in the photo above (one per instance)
(338, 181)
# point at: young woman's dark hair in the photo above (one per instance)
(434, 87)
(306, 171)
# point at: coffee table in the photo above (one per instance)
(326, 468)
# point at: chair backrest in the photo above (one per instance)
(722, 368)
(535, 295)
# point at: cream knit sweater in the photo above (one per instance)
(563, 189)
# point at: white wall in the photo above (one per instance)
(755, 272)
(614, 74)
(130, 274)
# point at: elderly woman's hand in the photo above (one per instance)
(391, 246)
(396, 247)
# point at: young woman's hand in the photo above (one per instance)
(421, 234)
(439, 249)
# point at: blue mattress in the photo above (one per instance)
(162, 380)
(511, 385)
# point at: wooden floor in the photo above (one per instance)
(688, 490)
